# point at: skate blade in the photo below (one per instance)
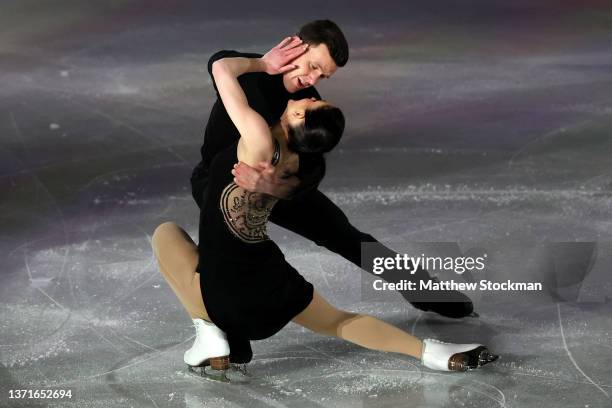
(471, 360)
(204, 371)
(238, 374)
(234, 374)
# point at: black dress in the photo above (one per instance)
(249, 289)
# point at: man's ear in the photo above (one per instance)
(299, 113)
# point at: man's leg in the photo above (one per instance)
(316, 217)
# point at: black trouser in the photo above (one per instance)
(317, 218)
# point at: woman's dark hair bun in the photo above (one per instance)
(320, 132)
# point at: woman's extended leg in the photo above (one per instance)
(364, 330)
(177, 256)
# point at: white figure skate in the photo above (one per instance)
(438, 355)
(210, 348)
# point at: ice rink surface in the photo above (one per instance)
(467, 121)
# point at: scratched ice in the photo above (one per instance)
(454, 134)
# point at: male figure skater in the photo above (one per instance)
(320, 219)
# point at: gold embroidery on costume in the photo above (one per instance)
(246, 213)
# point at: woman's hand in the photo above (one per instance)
(277, 60)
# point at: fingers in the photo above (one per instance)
(246, 170)
(241, 165)
(286, 68)
(253, 178)
(265, 166)
(278, 59)
(289, 42)
(296, 51)
(285, 41)
(242, 180)
(292, 53)
(292, 43)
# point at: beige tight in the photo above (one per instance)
(177, 256)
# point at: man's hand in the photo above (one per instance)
(277, 60)
(262, 179)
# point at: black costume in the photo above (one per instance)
(311, 215)
(249, 290)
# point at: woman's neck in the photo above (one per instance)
(288, 157)
(279, 133)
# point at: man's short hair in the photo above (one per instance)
(328, 33)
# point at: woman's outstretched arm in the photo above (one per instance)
(252, 127)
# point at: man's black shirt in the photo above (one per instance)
(265, 93)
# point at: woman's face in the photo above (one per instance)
(296, 110)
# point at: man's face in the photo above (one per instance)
(312, 66)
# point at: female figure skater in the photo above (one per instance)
(237, 281)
